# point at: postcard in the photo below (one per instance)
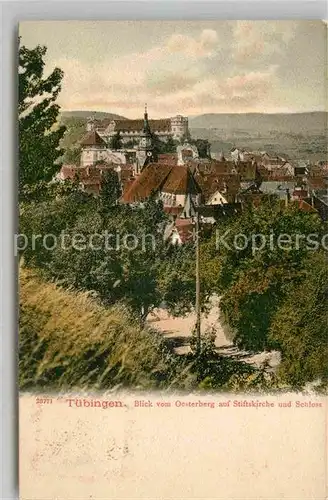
(172, 253)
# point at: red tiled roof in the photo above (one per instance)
(304, 206)
(211, 167)
(316, 182)
(180, 181)
(300, 193)
(92, 139)
(168, 158)
(173, 210)
(155, 177)
(212, 183)
(163, 125)
(68, 171)
(185, 228)
(150, 180)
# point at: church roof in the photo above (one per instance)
(161, 177)
(150, 180)
(180, 181)
(92, 139)
(168, 158)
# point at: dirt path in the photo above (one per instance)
(178, 331)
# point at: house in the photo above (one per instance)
(95, 149)
(316, 184)
(180, 231)
(90, 177)
(273, 161)
(186, 152)
(280, 189)
(299, 193)
(320, 203)
(220, 190)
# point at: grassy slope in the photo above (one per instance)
(67, 340)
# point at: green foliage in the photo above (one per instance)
(70, 143)
(274, 297)
(204, 147)
(255, 283)
(215, 372)
(300, 326)
(116, 141)
(110, 266)
(110, 189)
(39, 134)
(72, 155)
(162, 147)
(68, 341)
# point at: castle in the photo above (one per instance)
(136, 139)
(130, 130)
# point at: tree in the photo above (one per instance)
(204, 147)
(72, 155)
(300, 326)
(110, 188)
(162, 147)
(170, 145)
(253, 284)
(74, 133)
(39, 133)
(110, 266)
(186, 137)
(116, 141)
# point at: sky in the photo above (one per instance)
(185, 67)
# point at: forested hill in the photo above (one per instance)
(295, 123)
(86, 114)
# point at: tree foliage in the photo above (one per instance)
(110, 188)
(162, 147)
(255, 282)
(116, 141)
(300, 326)
(39, 134)
(134, 265)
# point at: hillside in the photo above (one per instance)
(86, 114)
(298, 136)
(66, 340)
(294, 123)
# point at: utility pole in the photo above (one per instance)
(197, 305)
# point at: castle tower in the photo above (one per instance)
(145, 151)
(179, 127)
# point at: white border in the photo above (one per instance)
(10, 14)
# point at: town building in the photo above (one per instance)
(94, 149)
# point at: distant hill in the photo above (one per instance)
(294, 123)
(86, 114)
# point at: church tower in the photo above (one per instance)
(145, 151)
